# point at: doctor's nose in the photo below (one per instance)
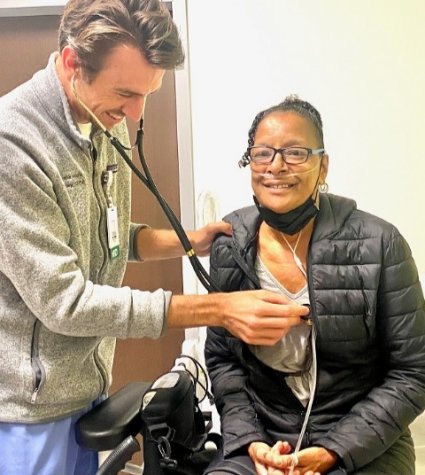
(134, 108)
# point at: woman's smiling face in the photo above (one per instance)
(277, 185)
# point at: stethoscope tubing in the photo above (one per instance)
(150, 184)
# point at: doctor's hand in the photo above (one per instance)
(202, 239)
(259, 317)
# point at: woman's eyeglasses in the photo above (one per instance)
(291, 155)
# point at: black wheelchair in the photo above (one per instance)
(176, 434)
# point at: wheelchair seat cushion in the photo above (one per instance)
(113, 420)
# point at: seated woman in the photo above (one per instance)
(337, 394)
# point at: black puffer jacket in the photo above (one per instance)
(368, 309)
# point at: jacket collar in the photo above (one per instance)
(47, 85)
(334, 210)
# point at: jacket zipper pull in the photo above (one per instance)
(34, 395)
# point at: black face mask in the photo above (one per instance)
(291, 222)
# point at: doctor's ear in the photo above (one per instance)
(244, 161)
(70, 61)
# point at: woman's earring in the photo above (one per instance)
(323, 187)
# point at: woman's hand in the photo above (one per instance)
(277, 460)
(263, 455)
(314, 460)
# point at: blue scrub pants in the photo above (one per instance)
(44, 449)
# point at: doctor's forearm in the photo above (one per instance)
(155, 244)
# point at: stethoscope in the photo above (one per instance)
(149, 182)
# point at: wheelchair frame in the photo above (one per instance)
(114, 424)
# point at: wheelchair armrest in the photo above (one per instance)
(109, 423)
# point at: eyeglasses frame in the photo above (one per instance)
(310, 152)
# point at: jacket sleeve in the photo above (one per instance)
(377, 421)
(239, 423)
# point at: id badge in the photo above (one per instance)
(113, 236)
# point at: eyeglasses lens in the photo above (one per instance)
(291, 155)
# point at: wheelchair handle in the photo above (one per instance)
(117, 459)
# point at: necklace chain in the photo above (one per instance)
(297, 260)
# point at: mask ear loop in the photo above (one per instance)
(317, 185)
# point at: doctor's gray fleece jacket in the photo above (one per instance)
(61, 300)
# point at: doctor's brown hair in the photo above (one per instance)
(95, 27)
